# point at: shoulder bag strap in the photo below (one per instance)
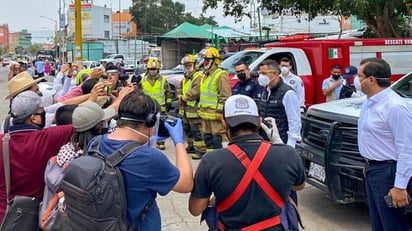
(251, 170)
(114, 159)
(119, 155)
(6, 162)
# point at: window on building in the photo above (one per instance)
(106, 34)
(106, 18)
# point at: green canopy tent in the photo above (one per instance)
(185, 39)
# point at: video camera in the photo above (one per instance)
(171, 120)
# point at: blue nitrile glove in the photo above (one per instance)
(176, 132)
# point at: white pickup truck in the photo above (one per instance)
(329, 146)
(113, 58)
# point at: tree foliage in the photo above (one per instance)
(385, 18)
(161, 16)
(33, 48)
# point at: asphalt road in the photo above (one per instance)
(319, 213)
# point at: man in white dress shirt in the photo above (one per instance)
(385, 130)
(292, 80)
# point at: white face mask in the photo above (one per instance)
(189, 69)
(263, 80)
(284, 70)
(357, 84)
(152, 73)
(137, 132)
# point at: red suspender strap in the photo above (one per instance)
(252, 172)
(243, 184)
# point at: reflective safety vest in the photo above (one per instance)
(187, 86)
(208, 90)
(155, 91)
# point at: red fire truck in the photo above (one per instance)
(314, 63)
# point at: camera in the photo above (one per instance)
(108, 89)
(171, 120)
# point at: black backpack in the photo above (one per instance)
(94, 191)
(346, 91)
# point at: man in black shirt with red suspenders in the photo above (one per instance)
(250, 179)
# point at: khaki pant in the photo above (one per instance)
(213, 133)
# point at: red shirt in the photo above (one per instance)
(30, 148)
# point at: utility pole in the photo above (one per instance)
(120, 32)
(78, 30)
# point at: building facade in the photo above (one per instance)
(96, 21)
(19, 41)
(99, 22)
(292, 22)
(4, 35)
(122, 25)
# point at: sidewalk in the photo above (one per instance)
(174, 207)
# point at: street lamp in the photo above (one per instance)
(50, 19)
(55, 28)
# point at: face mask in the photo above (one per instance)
(43, 119)
(189, 69)
(152, 73)
(263, 80)
(357, 84)
(284, 70)
(241, 76)
(335, 77)
(74, 73)
(137, 132)
(207, 64)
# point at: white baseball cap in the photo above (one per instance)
(240, 109)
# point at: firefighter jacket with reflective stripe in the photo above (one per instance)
(158, 88)
(214, 90)
(189, 92)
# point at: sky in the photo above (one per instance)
(31, 15)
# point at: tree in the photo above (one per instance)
(385, 18)
(33, 48)
(3, 49)
(161, 16)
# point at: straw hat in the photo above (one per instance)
(20, 82)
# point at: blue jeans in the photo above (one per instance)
(379, 180)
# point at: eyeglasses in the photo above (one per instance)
(39, 113)
(267, 72)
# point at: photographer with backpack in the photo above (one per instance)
(144, 172)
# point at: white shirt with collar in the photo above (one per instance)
(296, 83)
(385, 132)
(292, 108)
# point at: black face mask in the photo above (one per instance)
(241, 76)
(43, 119)
(335, 77)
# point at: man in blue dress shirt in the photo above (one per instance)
(385, 130)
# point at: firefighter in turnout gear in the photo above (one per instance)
(188, 97)
(157, 87)
(214, 90)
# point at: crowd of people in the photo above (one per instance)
(249, 181)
